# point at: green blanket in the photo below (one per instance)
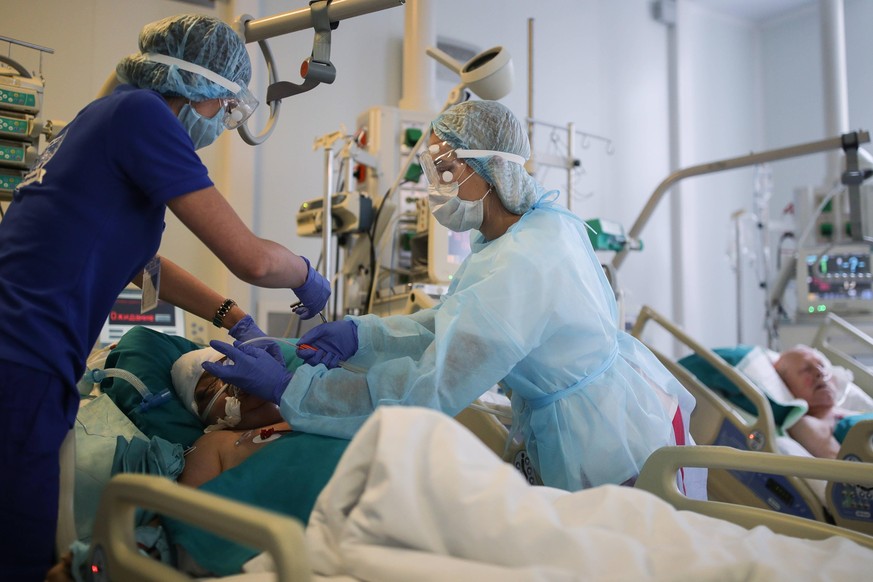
(286, 476)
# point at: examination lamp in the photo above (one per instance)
(489, 74)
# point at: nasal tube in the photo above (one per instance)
(149, 400)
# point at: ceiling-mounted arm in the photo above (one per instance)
(317, 68)
(852, 178)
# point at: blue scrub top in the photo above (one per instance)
(84, 222)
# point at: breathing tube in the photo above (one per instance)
(149, 400)
(342, 364)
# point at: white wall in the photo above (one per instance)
(601, 64)
(758, 86)
(718, 100)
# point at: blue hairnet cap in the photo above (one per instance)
(196, 38)
(489, 125)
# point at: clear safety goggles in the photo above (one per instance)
(441, 162)
(236, 109)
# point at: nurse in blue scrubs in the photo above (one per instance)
(86, 220)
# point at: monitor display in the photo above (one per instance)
(126, 314)
(836, 279)
(446, 251)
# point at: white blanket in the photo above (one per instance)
(418, 497)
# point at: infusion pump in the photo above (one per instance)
(20, 127)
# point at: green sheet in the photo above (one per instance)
(286, 476)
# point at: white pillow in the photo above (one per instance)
(856, 399)
(757, 365)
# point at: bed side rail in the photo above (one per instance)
(114, 550)
(763, 423)
(851, 504)
(658, 476)
(835, 326)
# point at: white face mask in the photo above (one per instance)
(232, 417)
(452, 212)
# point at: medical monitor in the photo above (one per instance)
(834, 279)
(126, 314)
(446, 251)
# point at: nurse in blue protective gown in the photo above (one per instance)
(530, 309)
(85, 221)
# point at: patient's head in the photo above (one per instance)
(808, 374)
(217, 404)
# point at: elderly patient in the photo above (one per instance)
(809, 376)
(530, 309)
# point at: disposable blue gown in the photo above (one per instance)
(533, 311)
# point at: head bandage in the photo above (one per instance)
(186, 372)
(492, 127)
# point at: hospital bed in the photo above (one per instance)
(751, 426)
(109, 411)
(530, 532)
(441, 464)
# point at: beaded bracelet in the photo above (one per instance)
(222, 312)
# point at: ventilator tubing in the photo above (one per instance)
(149, 400)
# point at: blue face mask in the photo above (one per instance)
(203, 130)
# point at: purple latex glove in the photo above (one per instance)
(334, 341)
(314, 293)
(246, 329)
(253, 370)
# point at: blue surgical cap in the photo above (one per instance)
(489, 125)
(196, 38)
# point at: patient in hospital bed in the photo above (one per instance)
(417, 497)
(237, 423)
(809, 376)
(227, 462)
(813, 402)
(217, 404)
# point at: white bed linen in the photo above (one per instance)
(418, 497)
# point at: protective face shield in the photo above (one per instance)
(443, 165)
(442, 169)
(236, 109)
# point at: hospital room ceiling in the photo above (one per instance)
(754, 10)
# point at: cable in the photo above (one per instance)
(19, 68)
(830, 195)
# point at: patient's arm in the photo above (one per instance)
(816, 436)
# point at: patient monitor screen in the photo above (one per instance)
(126, 314)
(446, 251)
(838, 279)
